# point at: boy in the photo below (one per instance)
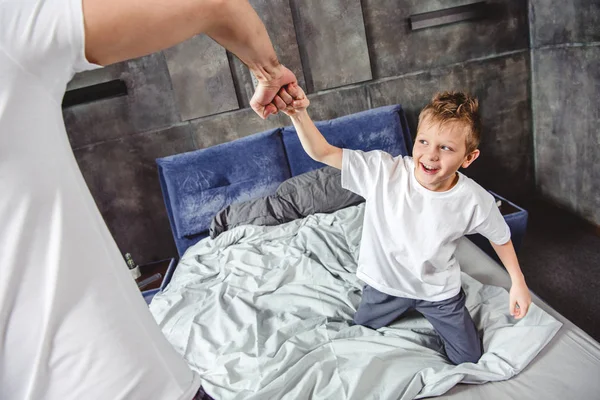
(416, 210)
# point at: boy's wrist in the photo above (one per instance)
(517, 278)
(299, 116)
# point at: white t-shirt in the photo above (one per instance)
(410, 233)
(73, 324)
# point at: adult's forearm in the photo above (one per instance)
(238, 28)
(118, 30)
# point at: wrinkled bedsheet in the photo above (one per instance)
(266, 313)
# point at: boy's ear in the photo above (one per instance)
(472, 156)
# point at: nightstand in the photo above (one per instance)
(516, 219)
(163, 267)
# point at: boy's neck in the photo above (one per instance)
(454, 181)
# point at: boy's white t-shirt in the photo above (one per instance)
(410, 233)
(73, 324)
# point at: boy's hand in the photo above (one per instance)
(520, 300)
(294, 96)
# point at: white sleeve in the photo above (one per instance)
(45, 38)
(360, 170)
(493, 226)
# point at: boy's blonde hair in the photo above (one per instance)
(455, 107)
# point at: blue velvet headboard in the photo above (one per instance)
(198, 184)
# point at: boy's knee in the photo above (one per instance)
(364, 320)
(358, 320)
(466, 357)
(360, 317)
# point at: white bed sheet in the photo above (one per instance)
(568, 368)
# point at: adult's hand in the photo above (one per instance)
(266, 101)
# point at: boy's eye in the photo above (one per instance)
(446, 148)
(423, 141)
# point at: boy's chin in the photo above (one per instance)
(435, 179)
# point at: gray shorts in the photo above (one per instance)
(450, 318)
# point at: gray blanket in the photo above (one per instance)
(265, 313)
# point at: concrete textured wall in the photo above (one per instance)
(350, 55)
(565, 54)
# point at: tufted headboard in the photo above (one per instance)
(198, 184)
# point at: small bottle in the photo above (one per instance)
(133, 268)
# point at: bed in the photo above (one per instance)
(263, 310)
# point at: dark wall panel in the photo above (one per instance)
(332, 40)
(334, 104)
(227, 127)
(502, 86)
(567, 117)
(396, 50)
(149, 104)
(123, 179)
(201, 78)
(574, 21)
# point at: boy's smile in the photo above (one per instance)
(439, 152)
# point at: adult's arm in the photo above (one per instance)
(118, 30)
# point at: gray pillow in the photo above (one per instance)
(317, 191)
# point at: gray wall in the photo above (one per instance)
(349, 55)
(566, 87)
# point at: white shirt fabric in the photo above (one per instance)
(73, 324)
(410, 233)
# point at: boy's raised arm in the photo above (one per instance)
(313, 142)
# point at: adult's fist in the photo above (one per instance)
(266, 100)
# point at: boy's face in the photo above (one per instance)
(439, 152)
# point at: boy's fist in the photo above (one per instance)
(294, 97)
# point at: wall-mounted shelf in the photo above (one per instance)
(101, 91)
(449, 15)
